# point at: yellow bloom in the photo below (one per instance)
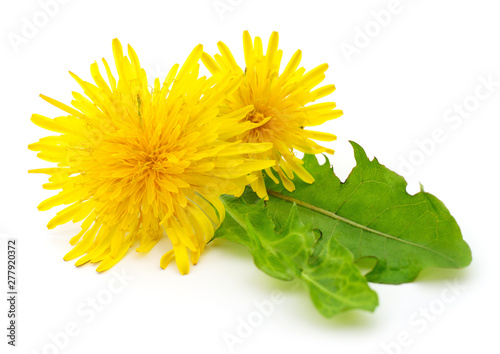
(135, 161)
(281, 106)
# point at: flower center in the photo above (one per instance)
(256, 117)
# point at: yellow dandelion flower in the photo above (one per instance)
(134, 161)
(281, 106)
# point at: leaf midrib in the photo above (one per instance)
(353, 223)
(342, 299)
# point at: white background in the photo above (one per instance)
(428, 58)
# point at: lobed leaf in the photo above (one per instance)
(294, 251)
(372, 215)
